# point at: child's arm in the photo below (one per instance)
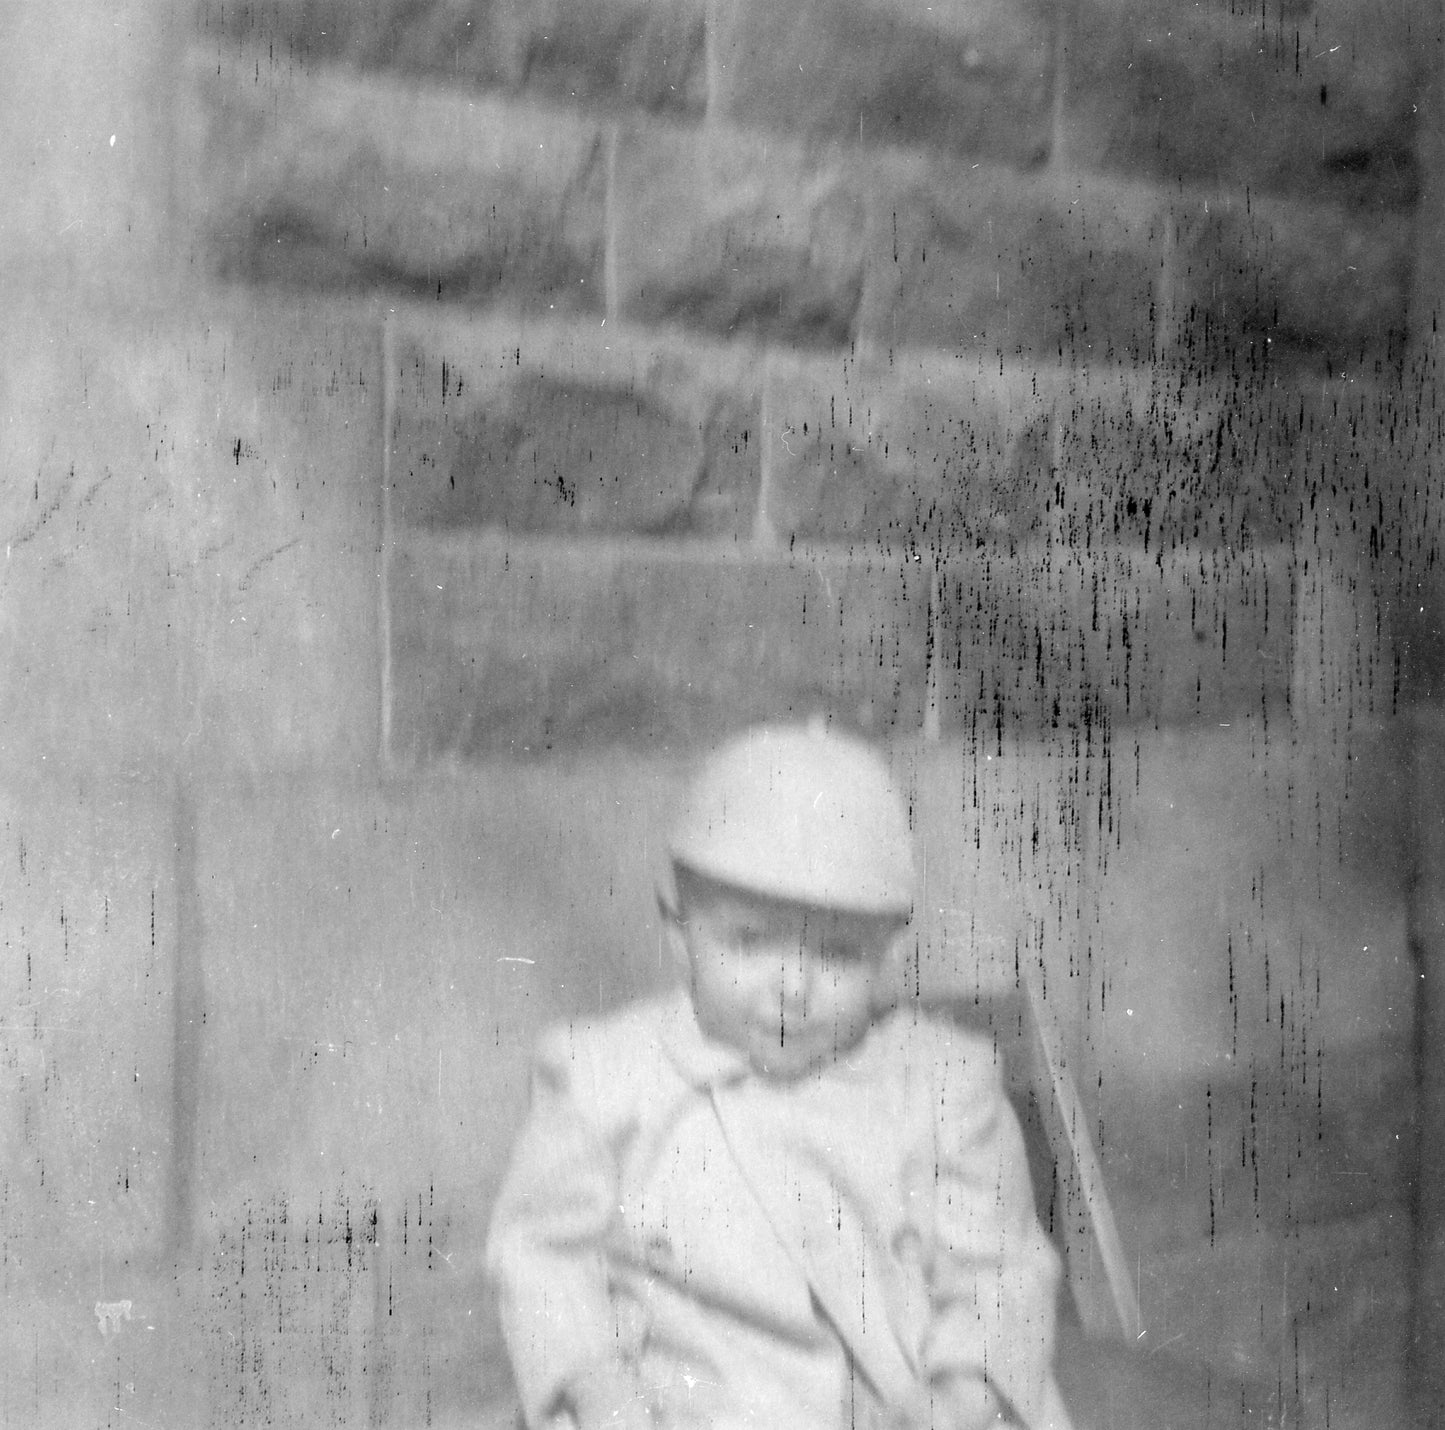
(991, 1272)
(545, 1251)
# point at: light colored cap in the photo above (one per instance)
(799, 813)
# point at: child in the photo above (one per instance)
(772, 1199)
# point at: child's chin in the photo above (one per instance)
(786, 1062)
(778, 1072)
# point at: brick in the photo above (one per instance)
(1313, 100)
(530, 647)
(336, 180)
(553, 427)
(729, 232)
(969, 76)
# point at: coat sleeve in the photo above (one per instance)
(546, 1244)
(991, 1273)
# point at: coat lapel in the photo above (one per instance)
(830, 1245)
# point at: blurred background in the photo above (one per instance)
(426, 425)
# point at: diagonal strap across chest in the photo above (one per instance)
(829, 1244)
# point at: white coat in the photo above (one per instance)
(765, 1256)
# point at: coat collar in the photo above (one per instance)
(701, 1062)
(704, 1063)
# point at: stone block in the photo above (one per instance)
(193, 565)
(566, 428)
(1100, 271)
(309, 32)
(71, 1359)
(1425, 768)
(1176, 1372)
(290, 1311)
(1252, 958)
(336, 180)
(434, 1363)
(1325, 284)
(501, 644)
(90, 630)
(88, 940)
(87, 137)
(1054, 640)
(968, 258)
(365, 1066)
(969, 76)
(604, 52)
(729, 232)
(381, 1041)
(1255, 1328)
(999, 882)
(639, 53)
(1352, 1312)
(1158, 465)
(910, 449)
(1314, 100)
(283, 473)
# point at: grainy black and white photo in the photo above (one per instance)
(722, 715)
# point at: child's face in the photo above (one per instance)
(788, 985)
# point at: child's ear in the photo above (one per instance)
(893, 965)
(672, 930)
